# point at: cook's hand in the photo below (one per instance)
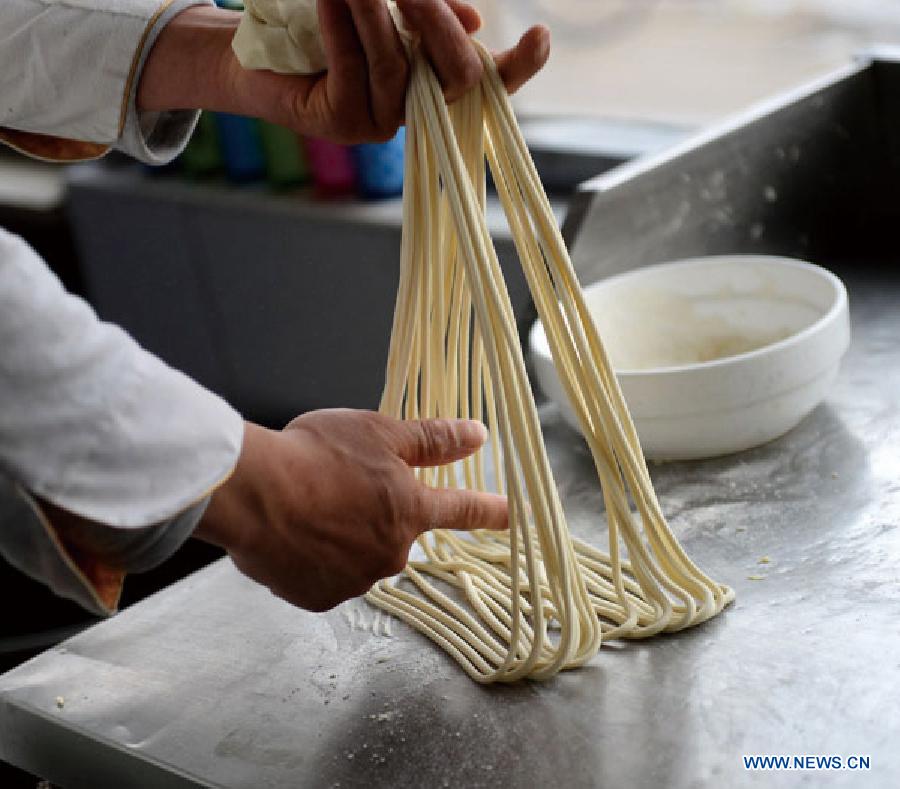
(323, 509)
(359, 98)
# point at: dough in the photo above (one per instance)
(280, 35)
(283, 36)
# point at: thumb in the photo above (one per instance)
(465, 510)
(525, 59)
(436, 442)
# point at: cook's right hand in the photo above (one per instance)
(362, 95)
(320, 511)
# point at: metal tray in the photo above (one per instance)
(215, 682)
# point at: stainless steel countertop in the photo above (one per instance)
(214, 681)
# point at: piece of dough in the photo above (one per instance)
(280, 35)
(283, 36)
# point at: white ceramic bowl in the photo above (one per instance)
(714, 355)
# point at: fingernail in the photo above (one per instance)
(542, 52)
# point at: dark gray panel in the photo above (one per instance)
(137, 259)
(304, 307)
(279, 304)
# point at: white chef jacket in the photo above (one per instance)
(89, 420)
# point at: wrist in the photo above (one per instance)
(237, 508)
(190, 66)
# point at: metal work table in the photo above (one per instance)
(214, 681)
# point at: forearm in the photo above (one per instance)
(360, 97)
(190, 65)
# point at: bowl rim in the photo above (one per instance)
(839, 305)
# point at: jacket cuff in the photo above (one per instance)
(52, 149)
(132, 550)
(155, 138)
(91, 569)
(29, 543)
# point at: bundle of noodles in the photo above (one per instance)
(533, 601)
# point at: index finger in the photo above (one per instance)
(525, 59)
(386, 58)
(347, 81)
(446, 44)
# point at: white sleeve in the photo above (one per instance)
(95, 424)
(69, 71)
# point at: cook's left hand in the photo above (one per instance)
(360, 98)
